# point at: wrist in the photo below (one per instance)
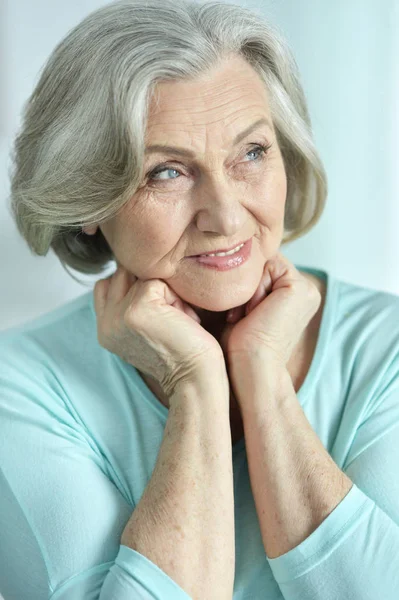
(253, 364)
(256, 375)
(207, 385)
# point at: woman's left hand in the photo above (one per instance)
(272, 322)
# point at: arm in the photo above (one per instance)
(325, 536)
(295, 482)
(62, 515)
(184, 522)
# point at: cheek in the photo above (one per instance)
(282, 188)
(277, 194)
(163, 227)
(270, 201)
(270, 210)
(153, 233)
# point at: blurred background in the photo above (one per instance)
(347, 52)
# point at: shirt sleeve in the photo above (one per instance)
(354, 553)
(61, 515)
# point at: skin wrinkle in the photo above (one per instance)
(222, 196)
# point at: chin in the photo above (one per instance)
(217, 306)
(211, 295)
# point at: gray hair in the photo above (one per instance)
(79, 155)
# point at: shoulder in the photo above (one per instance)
(366, 333)
(372, 312)
(50, 347)
(65, 324)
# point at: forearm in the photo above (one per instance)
(295, 482)
(184, 522)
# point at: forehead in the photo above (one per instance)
(166, 148)
(224, 101)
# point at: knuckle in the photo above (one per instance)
(151, 286)
(131, 318)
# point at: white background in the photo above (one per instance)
(348, 61)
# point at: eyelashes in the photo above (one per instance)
(263, 150)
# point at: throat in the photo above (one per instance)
(212, 322)
(236, 423)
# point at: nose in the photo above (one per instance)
(221, 209)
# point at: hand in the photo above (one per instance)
(274, 319)
(150, 327)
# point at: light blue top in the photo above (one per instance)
(80, 432)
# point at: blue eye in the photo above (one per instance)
(158, 171)
(261, 149)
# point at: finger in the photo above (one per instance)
(256, 298)
(119, 285)
(276, 269)
(178, 304)
(267, 279)
(170, 297)
(236, 314)
(191, 312)
(240, 312)
(100, 295)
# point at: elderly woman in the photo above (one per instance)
(155, 443)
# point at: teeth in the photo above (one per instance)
(225, 253)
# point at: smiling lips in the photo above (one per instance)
(222, 251)
(229, 253)
(226, 261)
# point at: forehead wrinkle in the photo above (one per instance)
(180, 151)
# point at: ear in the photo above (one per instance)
(90, 230)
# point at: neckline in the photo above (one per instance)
(325, 329)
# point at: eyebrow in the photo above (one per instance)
(184, 152)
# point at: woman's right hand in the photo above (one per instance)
(150, 327)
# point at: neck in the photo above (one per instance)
(213, 322)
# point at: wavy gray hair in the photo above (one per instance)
(79, 155)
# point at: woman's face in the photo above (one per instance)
(220, 194)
